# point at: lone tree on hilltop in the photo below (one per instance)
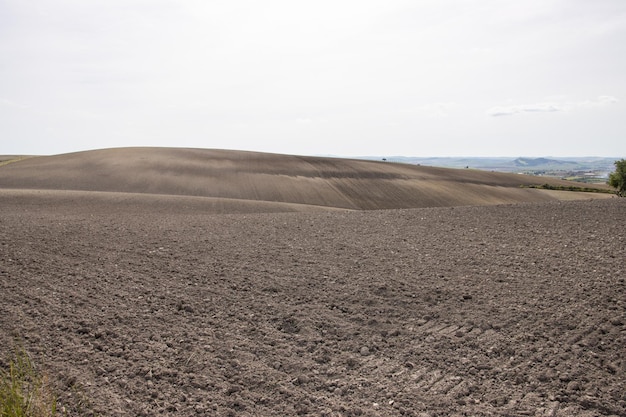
(617, 179)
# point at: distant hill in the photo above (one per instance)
(572, 167)
(538, 162)
(226, 181)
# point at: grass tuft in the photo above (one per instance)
(24, 392)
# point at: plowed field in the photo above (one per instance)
(503, 310)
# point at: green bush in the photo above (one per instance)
(617, 178)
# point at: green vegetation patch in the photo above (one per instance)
(24, 392)
(617, 178)
(569, 188)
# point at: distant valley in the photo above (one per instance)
(581, 169)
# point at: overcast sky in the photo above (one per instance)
(340, 77)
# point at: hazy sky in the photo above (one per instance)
(341, 77)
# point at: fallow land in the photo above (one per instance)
(196, 282)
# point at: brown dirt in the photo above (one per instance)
(144, 304)
(274, 179)
(509, 310)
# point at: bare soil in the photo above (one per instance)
(235, 181)
(503, 310)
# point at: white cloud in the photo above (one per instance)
(550, 107)
(601, 101)
(525, 108)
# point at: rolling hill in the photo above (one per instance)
(227, 181)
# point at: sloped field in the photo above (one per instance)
(238, 180)
(508, 310)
